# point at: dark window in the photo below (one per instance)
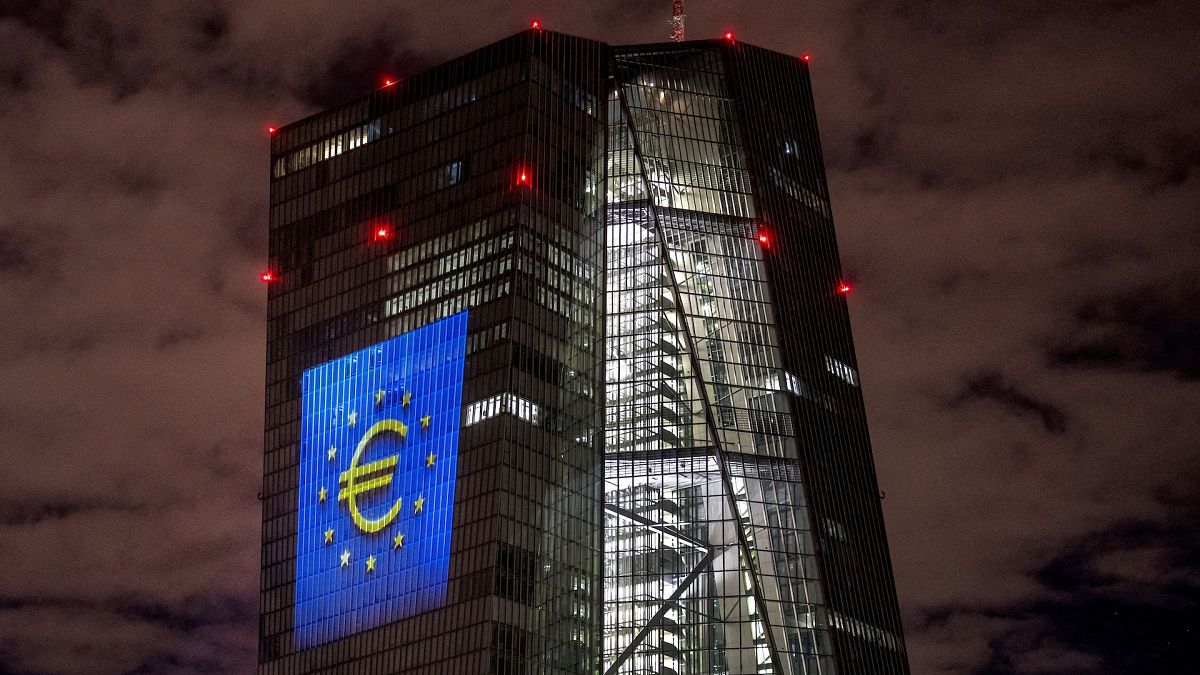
(515, 569)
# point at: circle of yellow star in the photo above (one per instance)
(406, 399)
(419, 505)
(430, 460)
(425, 422)
(329, 536)
(346, 558)
(379, 397)
(322, 493)
(352, 420)
(371, 563)
(332, 452)
(398, 541)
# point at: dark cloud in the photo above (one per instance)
(992, 388)
(1130, 594)
(356, 66)
(188, 633)
(32, 513)
(1165, 160)
(1122, 600)
(191, 613)
(1150, 328)
(41, 16)
(1016, 188)
(185, 616)
(15, 256)
(178, 335)
(210, 26)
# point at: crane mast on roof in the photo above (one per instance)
(677, 20)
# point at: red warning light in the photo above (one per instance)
(763, 239)
(845, 288)
(272, 130)
(536, 24)
(523, 177)
(387, 81)
(806, 57)
(267, 277)
(383, 233)
(729, 35)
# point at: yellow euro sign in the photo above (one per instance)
(358, 480)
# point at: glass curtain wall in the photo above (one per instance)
(709, 558)
(778, 118)
(557, 320)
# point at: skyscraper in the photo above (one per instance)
(560, 376)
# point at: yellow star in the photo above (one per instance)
(329, 536)
(352, 419)
(398, 541)
(419, 505)
(379, 397)
(332, 452)
(370, 563)
(407, 399)
(321, 494)
(425, 422)
(430, 460)
(345, 558)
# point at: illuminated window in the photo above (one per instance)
(498, 404)
(326, 149)
(454, 172)
(863, 630)
(794, 384)
(841, 370)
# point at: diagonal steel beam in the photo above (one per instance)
(662, 611)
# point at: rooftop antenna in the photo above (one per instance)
(677, 20)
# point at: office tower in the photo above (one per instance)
(743, 527)
(560, 376)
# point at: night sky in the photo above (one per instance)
(1016, 186)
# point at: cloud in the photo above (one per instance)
(1148, 328)
(991, 387)
(1015, 187)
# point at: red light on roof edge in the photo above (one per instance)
(763, 239)
(523, 177)
(729, 35)
(845, 288)
(267, 277)
(387, 82)
(536, 24)
(272, 130)
(806, 57)
(382, 233)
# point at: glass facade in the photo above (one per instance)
(710, 560)
(662, 463)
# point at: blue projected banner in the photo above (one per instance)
(378, 451)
